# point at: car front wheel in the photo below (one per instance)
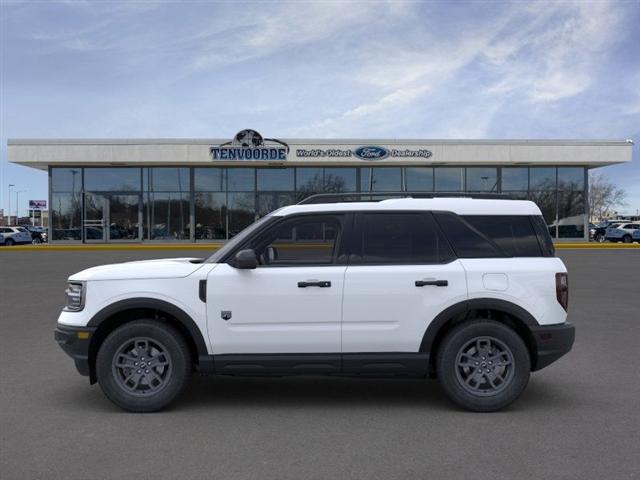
(143, 365)
(599, 238)
(626, 239)
(483, 365)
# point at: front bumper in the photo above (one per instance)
(552, 342)
(75, 343)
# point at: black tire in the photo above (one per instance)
(626, 239)
(452, 374)
(599, 238)
(161, 384)
(36, 241)
(9, 242)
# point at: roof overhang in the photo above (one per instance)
(43, 153)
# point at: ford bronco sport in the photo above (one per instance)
(466, 290)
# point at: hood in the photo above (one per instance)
(162, 268)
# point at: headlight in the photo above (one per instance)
(75, 296)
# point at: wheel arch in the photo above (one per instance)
(502, 311)
(124, 311)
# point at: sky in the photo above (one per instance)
(373, 69)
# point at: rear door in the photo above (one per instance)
(401, 275)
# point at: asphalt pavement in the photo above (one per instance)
(578, 418)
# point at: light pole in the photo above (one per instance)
(18, 192)
(9, 212)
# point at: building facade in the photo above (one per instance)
(202, 190)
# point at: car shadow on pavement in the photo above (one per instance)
(233, 393)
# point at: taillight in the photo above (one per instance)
(562, 290)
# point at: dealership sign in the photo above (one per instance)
(366, 152)
(38, 204)
(250, 145)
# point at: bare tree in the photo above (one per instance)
(604, 196)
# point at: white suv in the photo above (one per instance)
(465, 290)
(622, 232)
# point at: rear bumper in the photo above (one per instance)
(75, 343)
(552, 342)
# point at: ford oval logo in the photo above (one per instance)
(371, 153)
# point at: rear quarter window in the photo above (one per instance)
(466, 240)
(514, 234)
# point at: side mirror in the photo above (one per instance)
(246, 259)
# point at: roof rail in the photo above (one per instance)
(380, 196)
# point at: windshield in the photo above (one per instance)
(237, 240)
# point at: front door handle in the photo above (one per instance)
(437, 283)
(314, 283)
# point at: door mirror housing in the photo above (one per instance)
(246, 259)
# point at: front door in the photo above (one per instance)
(95, 217)
(111, 217)
(402, 275)
(291, 303)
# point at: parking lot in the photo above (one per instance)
(579, 418)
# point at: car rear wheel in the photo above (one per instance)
(9, 242)
(626, 239)
(143, 365)
(483, 365)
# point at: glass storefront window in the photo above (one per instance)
(66, 180)
(166, 179)
(209, 179)
(66, 216)
(542, 178)
(268, 202)
(381, 179)
(210, 216)
(241, 211)
(275, 179)
(449, 179)
(571, 214)
(241, 179)
(546, 201)
(515, 178)
(112, 179)
(337, 180)
(419, 179)
(309, 181)
(166, 216)
(482, 179)
(571, 178)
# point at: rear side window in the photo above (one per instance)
(466, 240)
(512, 233)
(401, 238)
(544, 239)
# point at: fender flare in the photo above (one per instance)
(464, 307)
(155, 304)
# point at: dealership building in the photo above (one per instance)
(198, 190)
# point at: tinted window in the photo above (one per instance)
(398, 238)
(309, 240)
(513, 233)
(544, 238)
(482, 179)
(111, 179)
(466, 241)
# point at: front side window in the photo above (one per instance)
(307, 240)
(401, 238)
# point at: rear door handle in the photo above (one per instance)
(314, 283)
(436, 283)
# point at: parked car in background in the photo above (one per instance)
(635, 236)
(15, 235)
(622, 232)
(599, 231)
(38, 234)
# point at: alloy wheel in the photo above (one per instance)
(484, 366)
